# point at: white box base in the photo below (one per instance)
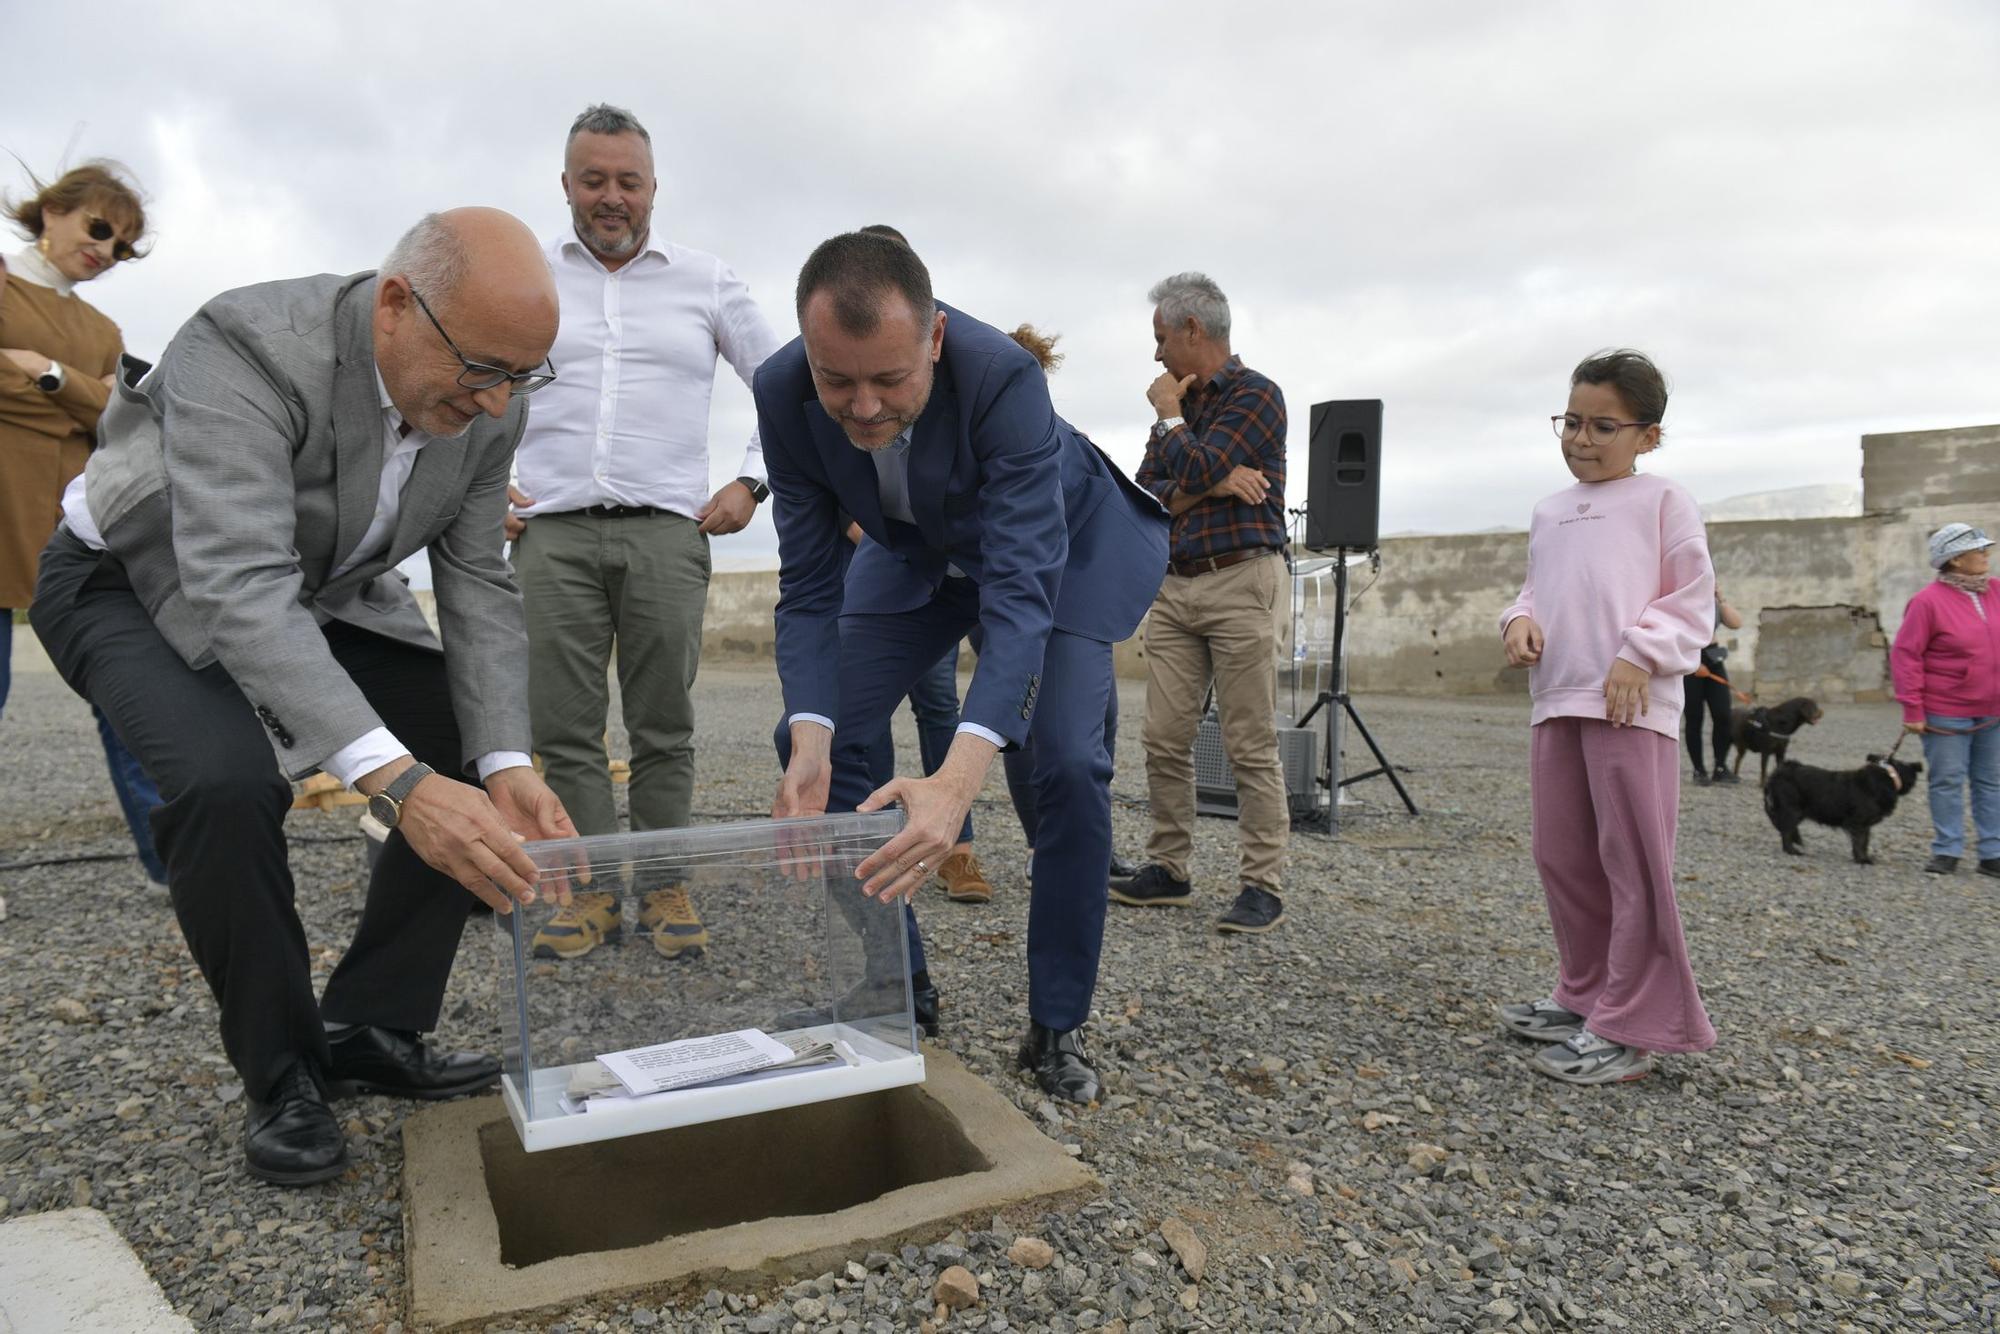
(883, 1066)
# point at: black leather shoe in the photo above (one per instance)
(1255, 911)
(1122, 870)
(380, 1060)
(1942, 865)
(292, 1139)
(1153, 887)
(924, 1000)
(1059, 1064)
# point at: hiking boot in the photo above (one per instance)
(1255, 911)
(1589, 1059)
(668, 918)
(1153, 887)
(1723, 775)
(1541, 1020)
(963, 880)
(1943, 865)
(590, 920)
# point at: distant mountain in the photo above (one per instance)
(1828, 500)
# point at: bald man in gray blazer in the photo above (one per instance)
(224, 587)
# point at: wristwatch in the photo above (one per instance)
(50, 380)
(758, 491)
(1165, 424)
(387, 805)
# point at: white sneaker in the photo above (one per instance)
(1542, 1020)
(1590, 1059)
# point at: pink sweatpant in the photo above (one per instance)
(1606, 800)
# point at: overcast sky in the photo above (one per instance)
(1792, 207)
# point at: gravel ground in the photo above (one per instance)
(1328, 1112)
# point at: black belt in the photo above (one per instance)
(620, 511)
(1210, 564)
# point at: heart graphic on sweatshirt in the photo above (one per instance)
(1584, 508)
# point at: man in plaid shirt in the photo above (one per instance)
(1216, 460)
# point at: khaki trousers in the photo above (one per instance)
(640, 583)
(1221, 626)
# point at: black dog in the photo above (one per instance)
(1769, 731)
(1854, 799)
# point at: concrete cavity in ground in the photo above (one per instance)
(493, 1231)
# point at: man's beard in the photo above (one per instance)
(635, 233)
(903, 423)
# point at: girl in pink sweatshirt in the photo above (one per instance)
(1619, 599)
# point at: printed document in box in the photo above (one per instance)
(675, 1065)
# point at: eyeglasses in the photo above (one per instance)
(100, 230)
(479, 375)
(1602, 430)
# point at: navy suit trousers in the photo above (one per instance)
(881, 657)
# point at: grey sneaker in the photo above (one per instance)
(1542, 1020)
(1589, 1059)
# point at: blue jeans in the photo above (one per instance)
(136, 794)
(1949, 761)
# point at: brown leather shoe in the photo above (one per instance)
(962, 880)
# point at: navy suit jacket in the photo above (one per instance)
(1048, 529)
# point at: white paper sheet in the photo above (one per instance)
(675, 1065)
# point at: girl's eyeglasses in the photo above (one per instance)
(1600, 430)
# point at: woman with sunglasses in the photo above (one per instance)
(58, 356)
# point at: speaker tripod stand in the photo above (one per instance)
(1325, 820)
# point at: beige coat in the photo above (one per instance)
(45, 438)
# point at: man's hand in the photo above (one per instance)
(534, 812)
(1166, 392)
(457, 829)
(803, 789)
(514, 522)
(1625, 695)
(31, 363)
(728, 510)
(1244, 484)
(934, 811)
(1524, 642)
(854, 533)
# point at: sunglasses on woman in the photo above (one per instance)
(100, 230)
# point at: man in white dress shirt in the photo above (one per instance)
(613, 513)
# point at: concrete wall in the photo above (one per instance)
(1907, 470)
(1827, 653)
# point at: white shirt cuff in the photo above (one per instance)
(493, 761)
(819, 718)
(369, 752)
(985, 734)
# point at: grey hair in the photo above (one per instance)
(1193, 296)
(603, 118)
(431, 258)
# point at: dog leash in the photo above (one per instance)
(1701, 670)
(1905, 734)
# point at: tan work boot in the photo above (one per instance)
(668, 918)
(962, 880)
(590, 920)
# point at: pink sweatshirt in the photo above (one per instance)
(1947, 656)
(1616, 570)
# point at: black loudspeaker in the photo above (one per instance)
(1344, 477)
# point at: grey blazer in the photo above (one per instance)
(244, 468)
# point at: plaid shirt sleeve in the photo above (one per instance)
(1242, 425)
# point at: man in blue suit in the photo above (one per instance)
(935, 432)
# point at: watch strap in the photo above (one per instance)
(1165, 424)
(399, 790)
(759, 490)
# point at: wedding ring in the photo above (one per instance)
(922, 867)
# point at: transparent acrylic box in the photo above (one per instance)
(794, 950)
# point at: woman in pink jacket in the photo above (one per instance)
(1946, 665)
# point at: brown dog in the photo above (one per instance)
(1768, 731)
